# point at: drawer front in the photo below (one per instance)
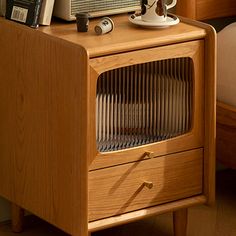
(128, 187)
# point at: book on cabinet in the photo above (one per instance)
(24, 11)
(21, 12)
(46, 12)
(2, 7)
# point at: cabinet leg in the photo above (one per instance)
(89, 234)
(17, 218)
(180, 221)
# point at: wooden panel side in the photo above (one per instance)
(226, 134)
(205, 9)
(209, 71)
(187, 8)
(210, 114)
(180, 222)
(226, 114)
(43, 126)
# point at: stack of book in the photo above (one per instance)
(32, 13)
(2, 7)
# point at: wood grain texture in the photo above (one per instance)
(43, 136)
(145, 213)
(128, 38)
(180, 221)
(210, 109)
(17, 218)
(206, 9)
(187, 8)
(226, 135)
(210, 112)
(117, 190)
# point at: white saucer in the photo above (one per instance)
(170, 20)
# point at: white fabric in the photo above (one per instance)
(226, 65)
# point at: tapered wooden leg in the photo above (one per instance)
(180, 221)
(17, 218)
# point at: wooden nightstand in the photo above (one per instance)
(98, 131)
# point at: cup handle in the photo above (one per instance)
(172, 4)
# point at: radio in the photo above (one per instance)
(66, 9)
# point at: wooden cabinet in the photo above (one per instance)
(84, 144)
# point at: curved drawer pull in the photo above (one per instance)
(148, 184)
(149, 154)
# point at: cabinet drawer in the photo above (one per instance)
(128, 187)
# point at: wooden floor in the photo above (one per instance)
(219, 220)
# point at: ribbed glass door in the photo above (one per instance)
(144, 103)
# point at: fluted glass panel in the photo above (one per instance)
(143, 104)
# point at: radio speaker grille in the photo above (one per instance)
(143, 104)
(101, 5)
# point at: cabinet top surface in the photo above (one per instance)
(124, 37)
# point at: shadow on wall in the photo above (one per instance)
(4, 210)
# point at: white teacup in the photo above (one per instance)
(155, 10)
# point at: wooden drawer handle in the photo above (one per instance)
(148, 184)
(149, 154)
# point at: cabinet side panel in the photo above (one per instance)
(210, 114)
(187, 8)
(43, 126)
(208, 9)
(205, 9)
